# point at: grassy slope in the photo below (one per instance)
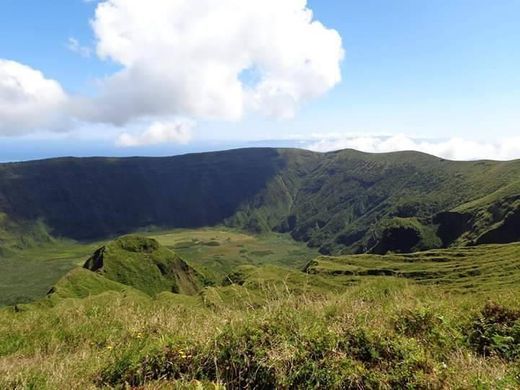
(343, 202)
(144, 264)
(29, 274)
(82, 283)
(477, 269)
(343, 324)
(382, 334)
(96, 198)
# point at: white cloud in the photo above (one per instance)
(453, 149)
(182, 58)
(28, 100)
(74, 46)
(188, 57)
(175, 131)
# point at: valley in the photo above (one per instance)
(29, 274)
(339, 270)
(341, 202)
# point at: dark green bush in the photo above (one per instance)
(496, 331)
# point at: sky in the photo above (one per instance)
(162, 77)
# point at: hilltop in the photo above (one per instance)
(130, 263)
(339, 202)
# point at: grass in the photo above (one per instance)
(142, 263)
(468, 270)
(384, 334)
(439, 319)
(219, 250)
(29, 274)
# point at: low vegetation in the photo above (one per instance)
(26, 275)
(387, 333)
(439, 319)
(478, 269)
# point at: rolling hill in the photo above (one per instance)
(131, 261)
(340, 202)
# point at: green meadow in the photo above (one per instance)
(30, 273)
(476, 270)
(218, 308)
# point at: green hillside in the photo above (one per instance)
(285, 269)
(440, 319)
(142, 263)
(28, 274)
(340, 202)
(478, 269)
(357, 202)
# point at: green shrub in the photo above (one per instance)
(496, 331)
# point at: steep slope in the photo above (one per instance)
(340, 202)
(358, 202)
(19, 235)
(494, 218)
(102, 197)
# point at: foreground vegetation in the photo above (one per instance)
(441, 319)
(387, 333)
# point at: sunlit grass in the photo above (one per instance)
(386, 333)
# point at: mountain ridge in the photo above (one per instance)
(341, 202)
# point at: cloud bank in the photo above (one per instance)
(452, 149)
(204, 59)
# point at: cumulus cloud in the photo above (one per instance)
(453, 149)
(183, 58)
(175, 130)
(28, 100)
(189, 57)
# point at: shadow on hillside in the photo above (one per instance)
(93, 198)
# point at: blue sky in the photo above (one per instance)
(425, 70)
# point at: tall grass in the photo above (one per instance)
(379, 334)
